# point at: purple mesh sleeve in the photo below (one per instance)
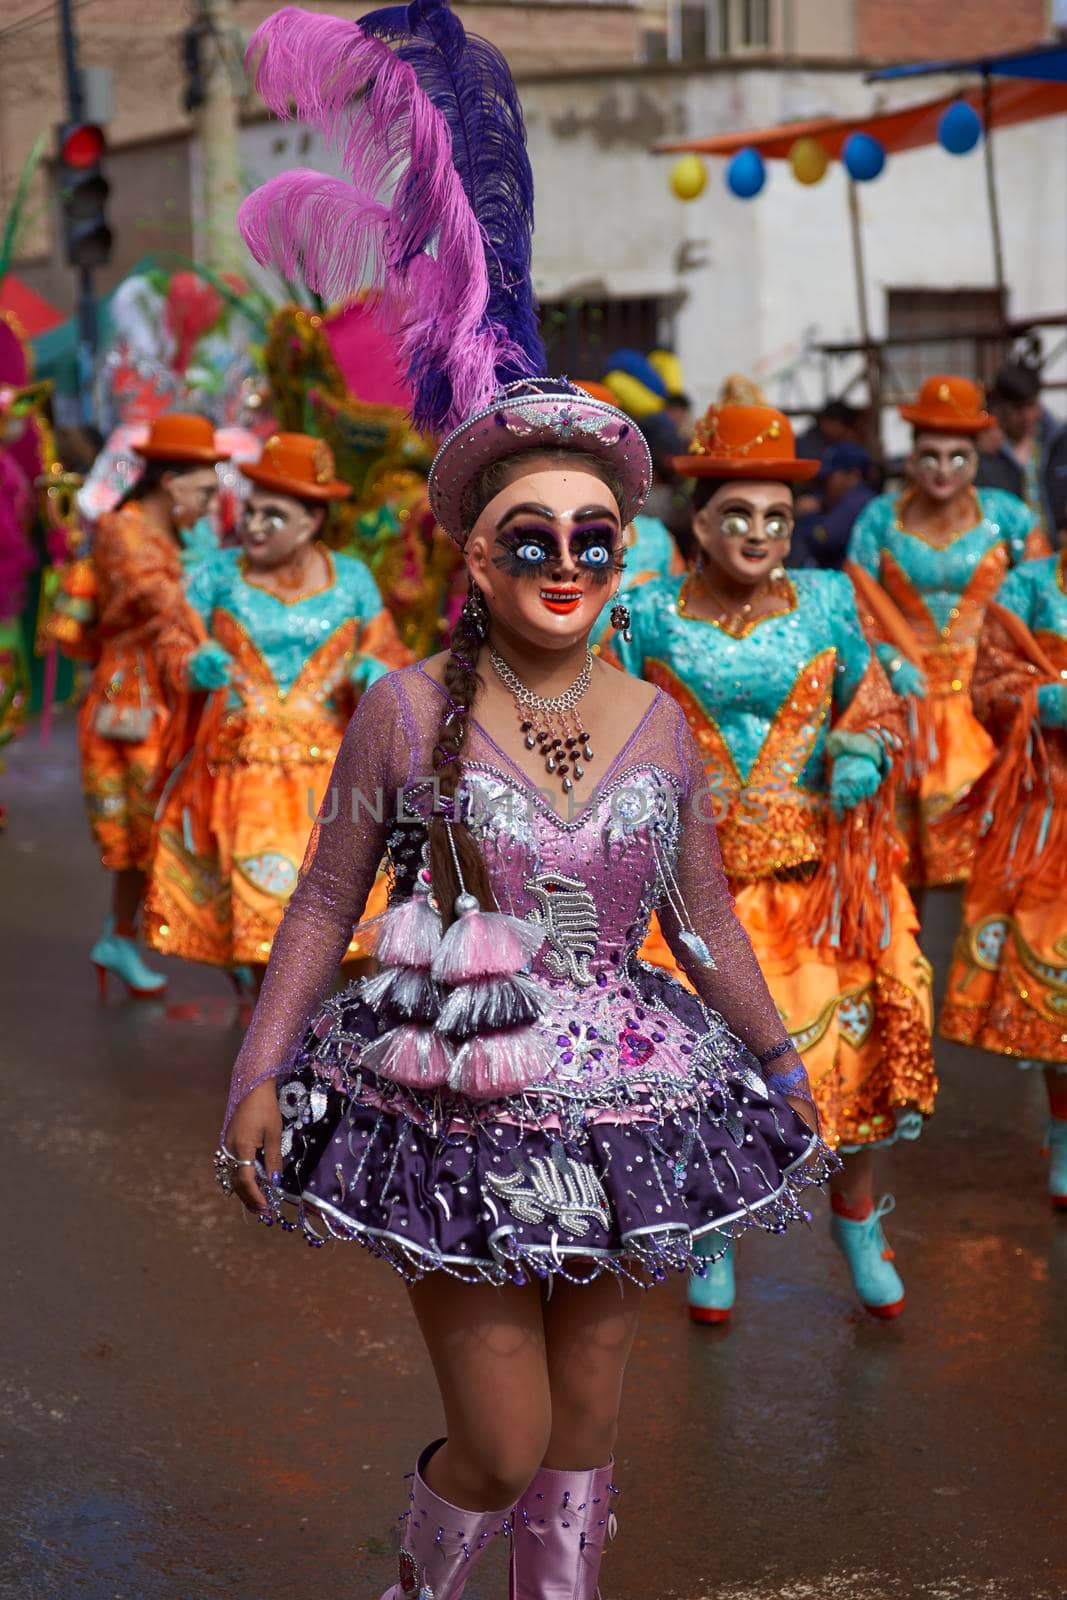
(342, 858)
(735, 987)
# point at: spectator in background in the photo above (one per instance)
(1030, 458)
(842, 490)
(836, 423)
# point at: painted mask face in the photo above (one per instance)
(276, 526)
(943, 463)
(745, 529)
(547, 554)
(193, 494)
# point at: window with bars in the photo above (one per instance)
(702, 29)
(942, 330)
(580, 333)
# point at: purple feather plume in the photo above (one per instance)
(471, 85)
(400, 227)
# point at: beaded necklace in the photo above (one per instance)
(550, 723)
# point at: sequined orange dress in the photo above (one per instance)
(237, 817)
(941, 591)
(1007, 988)
(138, 576)
(770, 709)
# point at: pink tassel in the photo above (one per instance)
(486, 944)
(491, 1066)
(416, 1057)
(410, 934)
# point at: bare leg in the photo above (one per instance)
(127, 892)
(487, 1347)
(589, 1331)
(1056, 1085)
(853, 1187)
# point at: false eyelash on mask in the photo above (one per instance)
(516, 566)
(605, 538)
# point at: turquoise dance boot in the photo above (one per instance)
(118, 954)
(711, 1298)
(870, 1260)
(1057, 1171)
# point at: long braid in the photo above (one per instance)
(461, 683)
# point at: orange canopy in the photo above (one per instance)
(1016, 100)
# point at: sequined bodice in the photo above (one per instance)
(941, 574)
(592, 879)
(285, 633)
(787, 667)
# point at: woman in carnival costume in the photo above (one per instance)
(296, 633)
(1007, 988)
(798, 731)
(512, 1102)
(125, 721)
(926, 564)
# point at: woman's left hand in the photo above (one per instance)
(855, 778)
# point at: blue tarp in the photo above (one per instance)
(1048, 63)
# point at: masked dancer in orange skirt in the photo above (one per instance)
(926, 564)
(127, 713)
(1007, 989)
(297, 632)
(800, 733)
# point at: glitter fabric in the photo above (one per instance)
(942, 591)
(1007, 988)
(768, 710)
(653, 1124)
(233, 826)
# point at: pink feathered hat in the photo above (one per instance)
(538, 414)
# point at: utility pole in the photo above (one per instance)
(218, 129)
(87, 323)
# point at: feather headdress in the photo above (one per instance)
(436, 213)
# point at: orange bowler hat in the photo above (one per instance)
(734, 441)
(949, 405)
(297, 464)
(598, 391)
(184, 438)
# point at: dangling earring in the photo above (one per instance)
(475, 614)
(620, 621)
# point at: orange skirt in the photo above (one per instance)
(224, 903)
(864, 1031)
(119, 778)
(940, 846)
(1007, 987)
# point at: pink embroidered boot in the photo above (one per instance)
(562, 1523)
(441, 1543)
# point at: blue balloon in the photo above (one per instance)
(864, 157)
(960, 128)
(746, 174)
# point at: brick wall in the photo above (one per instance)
(911, 30)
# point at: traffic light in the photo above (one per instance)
(83, 192)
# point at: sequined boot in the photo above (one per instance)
(711, 1298)
(870, 1259)
(117, 953)
(1057, 1171)
(562, 1523)
(441, 1543)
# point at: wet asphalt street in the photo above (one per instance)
(193, 1407)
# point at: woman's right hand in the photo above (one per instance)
(256, 1125)
(210, 666)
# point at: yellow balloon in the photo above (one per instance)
(809, 161)
(689, 177)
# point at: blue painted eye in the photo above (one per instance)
(532, 552)
(597, 555)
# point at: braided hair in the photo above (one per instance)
(462, 682)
